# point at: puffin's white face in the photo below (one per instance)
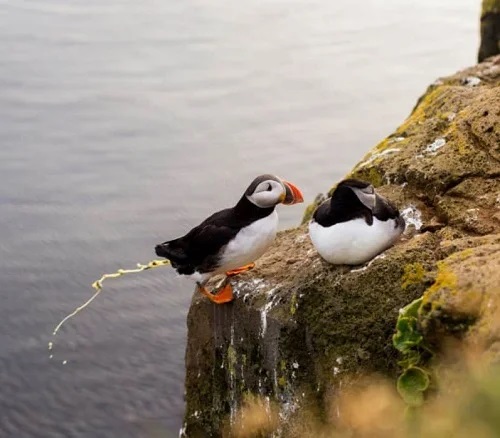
(267, 190)
(267, 194)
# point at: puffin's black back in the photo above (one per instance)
(344, 206)
(200, 249)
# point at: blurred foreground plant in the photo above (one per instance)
(466, 404)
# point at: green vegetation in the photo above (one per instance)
(414, 380)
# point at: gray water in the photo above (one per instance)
(124, 123)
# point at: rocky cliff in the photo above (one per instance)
(490, 29)
(300, 329)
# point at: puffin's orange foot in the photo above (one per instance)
(240, 270)
(224, 295)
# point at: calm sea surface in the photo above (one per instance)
(124, 123)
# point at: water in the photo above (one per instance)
(125, 123)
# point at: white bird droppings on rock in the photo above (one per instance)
(364, 268)
(379, 155)
(435, 146)
(265, 309)
(182, 431)
(471, 81)
(412, 216)
(300, 238)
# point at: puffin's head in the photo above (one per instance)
(364, 191)
(268, 190)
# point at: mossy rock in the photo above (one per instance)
(466, 290)
(300, 329)
(490, 29)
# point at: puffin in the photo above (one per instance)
(355, 224)
(231, 240)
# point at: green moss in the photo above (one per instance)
(311, 208)
(232, 359)
(369, 174)
(490, 6)
(414, 273)
(293, 304)
(382, 146)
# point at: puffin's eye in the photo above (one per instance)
(269, 188)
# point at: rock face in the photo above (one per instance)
(490, 29)
(300, 329)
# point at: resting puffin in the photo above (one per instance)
(355, 224)
(230, 240)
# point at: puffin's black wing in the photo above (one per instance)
(199, 250)
(322, 214)
(384, 209)
(341, 209)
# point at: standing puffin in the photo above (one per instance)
(230, 240)
(355, 224)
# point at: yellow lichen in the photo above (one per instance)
(282, 381)
(413, 274)
(381, 146)
(369, 174)
(308, 213)
(293, 304)
(446, 279)
(462, 255)
(419, 113)
(454, 291)
(375, 177)
(456, 136)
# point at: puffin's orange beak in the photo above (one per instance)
(293, 195)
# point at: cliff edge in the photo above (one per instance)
(300, 329)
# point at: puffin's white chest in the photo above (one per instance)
(353, 242)
(250, 243)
